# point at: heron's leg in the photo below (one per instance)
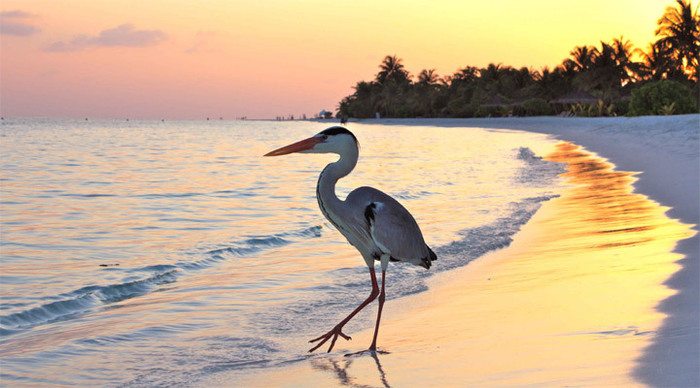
(385, 263)
(337, 330)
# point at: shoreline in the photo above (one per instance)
(416, 327)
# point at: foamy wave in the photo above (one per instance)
(83, 300)
(537, 172)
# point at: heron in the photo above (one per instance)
(376, 224)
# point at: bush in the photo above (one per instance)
(656, 97)
(537, 107)
(489, 111)
(599, 109)
(622, 106)
(459, 107)
(519, 110)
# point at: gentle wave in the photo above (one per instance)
(78, 302)
(83, 300)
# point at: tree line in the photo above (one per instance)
(613, 78)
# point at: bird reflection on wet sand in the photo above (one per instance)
(340, 368)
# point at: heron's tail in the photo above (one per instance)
(426, 262)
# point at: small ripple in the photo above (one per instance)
(405, 194)
(91, 195)
(97, 183)
(168, 195)
(195, 220)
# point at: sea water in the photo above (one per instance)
(157, 253)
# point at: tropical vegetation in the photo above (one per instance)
(613, 78)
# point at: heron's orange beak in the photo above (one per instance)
(299, 146)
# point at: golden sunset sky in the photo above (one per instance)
(191, 59)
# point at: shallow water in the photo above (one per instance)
(158, 252)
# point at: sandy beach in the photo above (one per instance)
(599, 288)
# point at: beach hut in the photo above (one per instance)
(493, 106)
(579, 98)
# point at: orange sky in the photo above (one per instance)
(186, 59)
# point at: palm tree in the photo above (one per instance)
(492, 72)
(582, 57)
(523, 77)
(622, 54)
(657, 63)
(595, 70)
(679, 27)
(463, 76)
(428, 77)
(391, 69)
(552, 83)
(424, 98)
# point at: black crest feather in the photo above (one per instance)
(338, 130)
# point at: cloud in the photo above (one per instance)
(14, 23)
(121, 36)
(16, 14)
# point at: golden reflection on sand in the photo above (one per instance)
(570, 302)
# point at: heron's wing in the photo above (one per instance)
(391, 226)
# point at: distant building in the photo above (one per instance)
(324, 114)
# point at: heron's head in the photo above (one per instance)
(335, 140)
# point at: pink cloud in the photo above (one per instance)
(124, 35)
(14, 23)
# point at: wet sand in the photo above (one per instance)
(572, 301)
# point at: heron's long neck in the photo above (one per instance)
(325, 190)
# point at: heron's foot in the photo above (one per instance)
(334, 334)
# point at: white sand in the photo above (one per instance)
(666, 150)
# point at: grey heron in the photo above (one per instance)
(372, 221)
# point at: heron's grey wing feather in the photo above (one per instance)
(393, 227)
(396, 230)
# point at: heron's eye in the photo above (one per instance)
(324, 137)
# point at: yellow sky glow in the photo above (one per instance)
(268, 58)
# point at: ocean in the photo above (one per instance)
(157, 253)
